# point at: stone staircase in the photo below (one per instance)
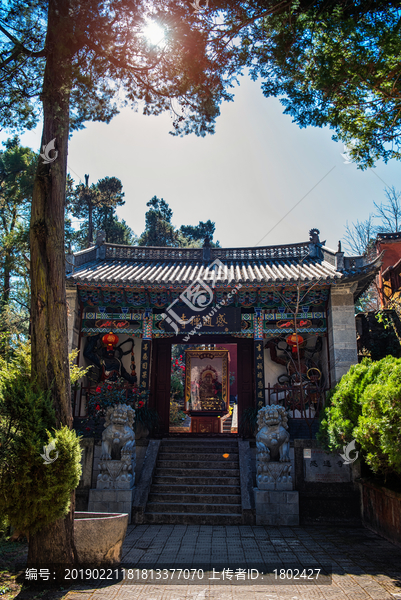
(194, 483)
(227, 424)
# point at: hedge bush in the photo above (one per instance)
(33, 494)
(366, 406)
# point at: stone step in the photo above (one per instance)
(168, 496)
(210, 448)
(209, 473)
(175, 507)
(195, 456)
(179, 479)
(192, 519)
(204, 449)
(169, 488)
(201, 441)
(197, 464)
(194, 484)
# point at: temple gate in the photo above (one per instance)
(288, 309)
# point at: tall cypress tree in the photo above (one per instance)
(71, 60)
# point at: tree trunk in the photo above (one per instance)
(53, 546)
(90, 223)
(50, 367)
(5, 296)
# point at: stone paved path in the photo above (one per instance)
(365, 566)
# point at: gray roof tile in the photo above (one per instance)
(138, 266)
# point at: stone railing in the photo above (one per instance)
(354, 262)
(150, 253)
(146, 253)
(85, 256)
(290, 251)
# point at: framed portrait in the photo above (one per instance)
(207, 381)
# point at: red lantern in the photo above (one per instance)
(110, 340)
(294, 340)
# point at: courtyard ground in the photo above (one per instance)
(364, 565)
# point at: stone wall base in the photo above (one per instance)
(277, 507)
(111, 501)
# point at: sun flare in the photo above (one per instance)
(153, 33)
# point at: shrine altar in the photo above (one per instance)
(207, 397)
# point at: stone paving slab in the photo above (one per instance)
(365, 566)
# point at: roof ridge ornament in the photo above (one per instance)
(206, 248)
(315, 245)
(339, 258)
(100, 237)
(314, 236)
(100, 245)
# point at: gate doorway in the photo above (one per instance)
(163, 351)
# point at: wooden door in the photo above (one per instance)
(161, 381)
(245, 374)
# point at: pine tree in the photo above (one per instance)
(17, 170)
(96, 205)
(72, 61)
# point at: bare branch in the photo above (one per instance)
(390, 213)
(359, 236)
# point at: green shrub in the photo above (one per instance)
(111, 394)
(33, 494)
(148, 417)
(366, 406)
(76, 372)
(177, 386)
(4, 527)
(176, 414)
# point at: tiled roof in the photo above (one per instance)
(388, 237)
(271, 265)
(171, 272)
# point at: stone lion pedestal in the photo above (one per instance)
(276, 502)
(115, 482)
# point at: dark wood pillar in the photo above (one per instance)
(161, 381)
(259, 363)
(259, 373)
(146, 353)
(245, 374)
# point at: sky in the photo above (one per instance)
(256, 168)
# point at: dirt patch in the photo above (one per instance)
(13, 557)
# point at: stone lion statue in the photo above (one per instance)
(273, 439)
(118, 438)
